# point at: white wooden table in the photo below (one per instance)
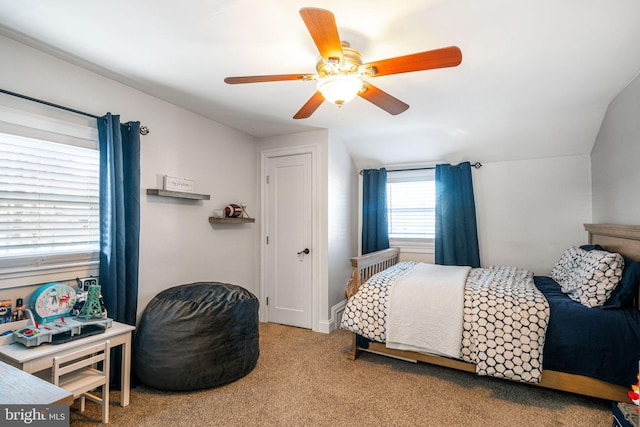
(36, 359)
(19, 388)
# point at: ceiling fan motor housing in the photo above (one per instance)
(350, 64)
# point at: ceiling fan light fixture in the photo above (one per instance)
(341, 73)
(339, 89)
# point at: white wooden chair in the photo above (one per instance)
(78, 373)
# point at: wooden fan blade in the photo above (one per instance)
(382, 99)
(310, 107)
(322, 27)
(271, 78)
(439, 58)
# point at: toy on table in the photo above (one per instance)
(6, 315)
(50, 319)
(52, 301)
(91, 307)
(83, 286)
(18, 312)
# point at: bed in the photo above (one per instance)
(598, 356)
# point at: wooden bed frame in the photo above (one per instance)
(623, 239)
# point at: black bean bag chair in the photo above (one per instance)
(196, 336)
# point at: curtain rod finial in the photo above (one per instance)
(144, 130)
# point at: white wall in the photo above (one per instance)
(615, 160)
(178, 245)
(342, 222)
(530, 211)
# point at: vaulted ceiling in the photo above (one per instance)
(535, 80)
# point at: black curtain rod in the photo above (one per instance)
(476, 165)
(143, 129)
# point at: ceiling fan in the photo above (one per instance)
(341, 73)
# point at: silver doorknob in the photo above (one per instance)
(306, 252)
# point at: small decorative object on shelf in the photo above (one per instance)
(232, 214)
(244, 213)
(233, 211)
(174, 183)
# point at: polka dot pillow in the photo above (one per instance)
(564, 269)
(588, 277)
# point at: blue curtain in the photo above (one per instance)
(456, 229)
(119, 223)
(119, 216)
(375, 228)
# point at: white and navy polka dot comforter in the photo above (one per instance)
(505, 319)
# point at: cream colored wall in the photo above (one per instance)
(342, 223)
(615, 160)
(530, 211)
(177, 243)
(423, 255)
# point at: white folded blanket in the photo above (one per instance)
(425, 312)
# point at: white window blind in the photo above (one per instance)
(49, 198)
(411, 202)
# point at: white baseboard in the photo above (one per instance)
(334, 322)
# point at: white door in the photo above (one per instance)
(289, 234)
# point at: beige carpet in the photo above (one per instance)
(304, 379)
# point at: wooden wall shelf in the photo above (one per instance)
(177, 194)
(231, 220)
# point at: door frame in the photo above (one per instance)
(315, 246)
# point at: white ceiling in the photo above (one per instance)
(535, 80)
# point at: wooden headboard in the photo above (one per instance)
(365, 266)
(622, 239)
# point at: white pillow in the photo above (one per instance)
(588, 277)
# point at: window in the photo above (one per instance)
(411, 203)
(49, 198)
